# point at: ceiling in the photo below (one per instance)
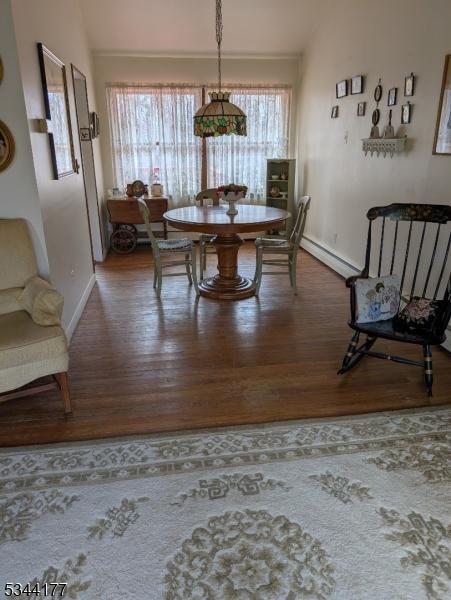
(187, 27)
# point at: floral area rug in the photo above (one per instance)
(355, 508)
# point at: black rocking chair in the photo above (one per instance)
(406, 233)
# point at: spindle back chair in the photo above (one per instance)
(413, 241)
(163, 248)
(287, 247)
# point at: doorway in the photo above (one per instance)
(88, 166)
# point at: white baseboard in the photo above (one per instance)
(80, 308)
(329, 258)
(344, 268)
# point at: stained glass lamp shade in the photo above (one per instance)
(219, 117)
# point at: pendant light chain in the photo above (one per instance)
(219, 116)
(219, 37)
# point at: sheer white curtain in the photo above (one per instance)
(153, 127)
(242, 160)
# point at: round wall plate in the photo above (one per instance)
(378, 93)
(376, 116)
(7, 147)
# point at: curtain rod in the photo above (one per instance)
(121, 84)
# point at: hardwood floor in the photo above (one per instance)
(141, 365)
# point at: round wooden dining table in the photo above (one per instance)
(227, 284)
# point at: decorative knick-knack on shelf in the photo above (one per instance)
(375, 120)
(389, 131)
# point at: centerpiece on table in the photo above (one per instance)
(231, 193)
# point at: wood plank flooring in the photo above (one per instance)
(142, 365)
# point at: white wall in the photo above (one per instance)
(383, 39)
(18, 188)
(112, 68)
(58, 25)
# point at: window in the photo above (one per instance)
(153, 126)
(243, 159)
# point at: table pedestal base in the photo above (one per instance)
(227, 284)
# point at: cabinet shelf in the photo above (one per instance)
(287, 168)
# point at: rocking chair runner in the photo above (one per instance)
(414, 231)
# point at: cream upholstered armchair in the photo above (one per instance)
(32, 342)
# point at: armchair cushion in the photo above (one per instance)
(43, 303)
(17, 261)
(9, 300)
(29, 351)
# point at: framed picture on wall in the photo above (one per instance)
(95, 127)
(334, 112)
(406, 113)
(392, 95)
(341, 88)
(357, 84)
(361, 109)
(56, 102)
(409, 85)
(442, 138)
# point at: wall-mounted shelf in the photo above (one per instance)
(384, 146)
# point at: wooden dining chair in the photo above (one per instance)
(164, 248)
(412, 241)
(287, 248)
(205, 244)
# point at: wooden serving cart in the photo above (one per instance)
(124, 215)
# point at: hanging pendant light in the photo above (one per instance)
(219, 116)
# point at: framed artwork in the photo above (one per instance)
(409, 85)
(375, 117)
(85, 134)
(392, 95)
(378, 92)
(406, 113)
(7, 146)
(334, 113)
(357, 84)
(341, 88)
(361, 109)
(56, 102)
(95, 126)
(442, 138)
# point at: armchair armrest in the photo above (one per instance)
(42, 302)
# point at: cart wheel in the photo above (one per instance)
(123, 241)
(127, 227)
